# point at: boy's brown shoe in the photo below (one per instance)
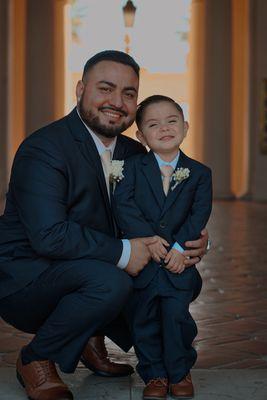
(156, 389)
(183, 389)
(41, 381)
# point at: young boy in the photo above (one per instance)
(167, 195)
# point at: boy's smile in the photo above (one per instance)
(163, 128)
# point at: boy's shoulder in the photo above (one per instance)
(195, 164)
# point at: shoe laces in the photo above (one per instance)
(158, 382)
(45, 369)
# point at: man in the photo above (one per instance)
(64, 274)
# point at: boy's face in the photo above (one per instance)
(163, 128)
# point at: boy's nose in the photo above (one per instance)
(164, 127)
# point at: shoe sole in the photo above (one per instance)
(103, 373)
(20, 379)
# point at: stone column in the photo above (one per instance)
(258, 167)
(46, 53)
(217, 94)
(3, 95)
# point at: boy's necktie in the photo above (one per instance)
(166, 172)
(106, 160)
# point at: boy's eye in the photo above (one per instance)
(172, 121)
(151, 125)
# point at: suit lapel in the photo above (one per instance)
(89, 151)
(119, 151)
(183, 162)
(152, 172)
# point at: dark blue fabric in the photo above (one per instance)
(57, 205)
(142, 209)
(69, 302)
(161, 324)
(163, 329)
(58, 213)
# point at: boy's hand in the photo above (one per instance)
(157, 248)
(175, 261)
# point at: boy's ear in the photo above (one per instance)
(186, 127)
(141, 137)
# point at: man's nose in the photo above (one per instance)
(116, 99)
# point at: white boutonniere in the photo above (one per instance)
(179, 175)
(116, 172)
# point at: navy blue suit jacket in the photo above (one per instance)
(57, 205)
(142, 209)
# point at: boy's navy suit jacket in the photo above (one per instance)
(57, 206)
(142, 209)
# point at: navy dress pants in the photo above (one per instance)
(163, 329)
(66, 305)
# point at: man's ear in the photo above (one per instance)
(79, 90)
(186, 127)
(141, 137)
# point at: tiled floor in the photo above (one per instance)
(231, 313)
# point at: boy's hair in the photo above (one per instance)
(111, 55)
(157, 98)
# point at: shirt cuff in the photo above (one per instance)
(178, 247)
(125, 255)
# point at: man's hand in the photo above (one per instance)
(139, 257)
(157, 248)
(175, 261)
(198, 249)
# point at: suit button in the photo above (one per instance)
(162, 224)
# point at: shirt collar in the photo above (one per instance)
(99, 144)
(173, 163)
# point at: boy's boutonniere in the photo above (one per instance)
(179, 175)
(116, 172)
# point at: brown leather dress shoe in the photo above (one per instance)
(156, 389)
(183, 389)
(95, 358)
(41, 381)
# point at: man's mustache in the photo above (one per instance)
(118, 110)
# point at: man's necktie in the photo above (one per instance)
(166, 172)
(106, 159)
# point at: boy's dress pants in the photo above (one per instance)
(163, 329)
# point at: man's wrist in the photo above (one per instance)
(125, 255)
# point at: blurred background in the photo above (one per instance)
(209, 55)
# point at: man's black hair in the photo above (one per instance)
(157, 98)
(111, 55)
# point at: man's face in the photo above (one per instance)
(107, 99)
(163, 127)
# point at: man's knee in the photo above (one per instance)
(120, 287)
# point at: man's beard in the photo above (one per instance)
(93, 122)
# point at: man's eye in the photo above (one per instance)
(129, 95)
(105, 89)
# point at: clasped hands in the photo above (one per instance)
(172, 260)
(145, 248)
